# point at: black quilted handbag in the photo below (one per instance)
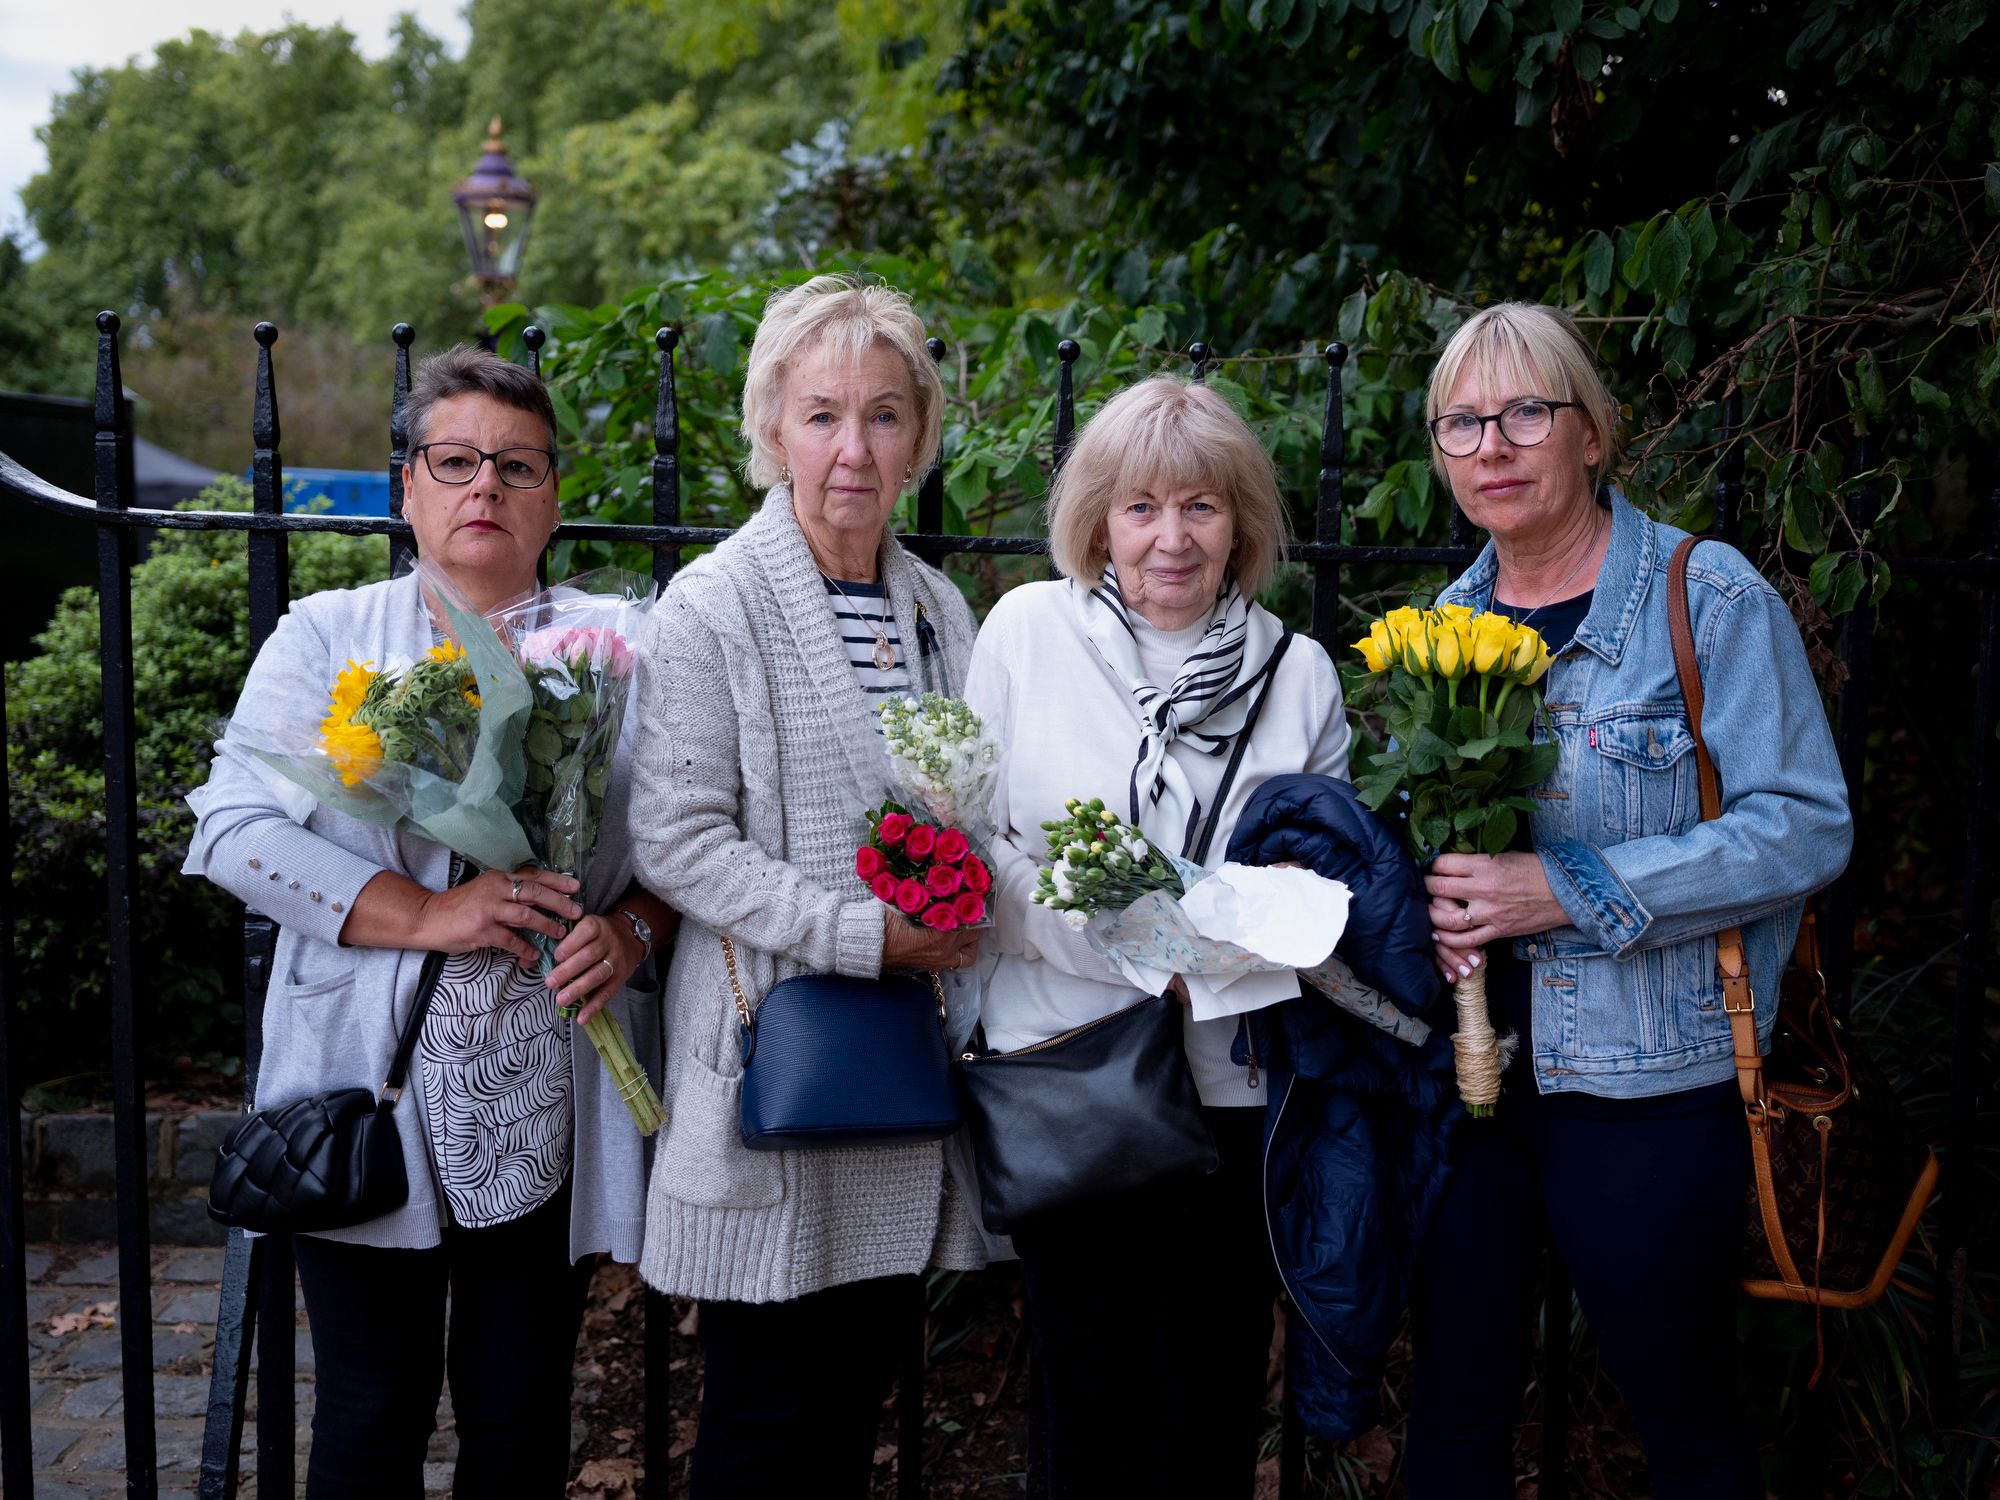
(328, 1162)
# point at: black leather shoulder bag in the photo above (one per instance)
(328, 1162)
(1103, 1107)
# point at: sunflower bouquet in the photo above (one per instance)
(1458, 692)
(497, 743)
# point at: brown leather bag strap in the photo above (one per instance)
(1730, 961)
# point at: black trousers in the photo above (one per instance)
(1644, 1201)
(1149, 1315)
(381, 1347)
(792, 1392)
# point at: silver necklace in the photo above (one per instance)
(1551, 597)
(885, 654)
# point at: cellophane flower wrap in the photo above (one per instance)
(1236, 935)
(573, 642)
(1457, 690)
(440, 746)
(944, 760)
(923, 846)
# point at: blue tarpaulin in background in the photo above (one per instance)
(354, 492)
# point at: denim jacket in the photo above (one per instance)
(1626, 1001)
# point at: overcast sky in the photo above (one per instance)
(43, 41)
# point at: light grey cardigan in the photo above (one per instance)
(755, 753)
(333, 1013)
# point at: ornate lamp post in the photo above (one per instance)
(494, 209)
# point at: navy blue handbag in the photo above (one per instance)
(830, 1060)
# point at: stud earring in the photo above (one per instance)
(909, 473)
(785, 476)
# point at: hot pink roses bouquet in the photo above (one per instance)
(927, 871)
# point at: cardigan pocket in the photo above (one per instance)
(321, 1003)
(703, 1160)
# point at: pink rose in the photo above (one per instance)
(884, 887)
(941, 918)
(943, 880)
(922, 839)
(893, 828)
(953, 846)
(977, 878)
(970, 909)
(868, 863)
(911, 896)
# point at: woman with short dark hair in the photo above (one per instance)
(522, 1162)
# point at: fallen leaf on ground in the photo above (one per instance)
(610, 1478)
(97, 1315)
(683, 1443)
(884, 1453)
(1375, 1450)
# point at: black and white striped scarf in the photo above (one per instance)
(1205, 707)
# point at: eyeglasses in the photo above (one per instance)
(458, 463)
(1458, 434)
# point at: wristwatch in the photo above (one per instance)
(641, 929)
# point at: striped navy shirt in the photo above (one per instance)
(867, 604)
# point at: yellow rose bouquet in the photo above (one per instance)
(1457, 693)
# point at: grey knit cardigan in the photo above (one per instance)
(755, 751)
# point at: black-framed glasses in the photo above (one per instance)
(1458, 434)
(458, 463)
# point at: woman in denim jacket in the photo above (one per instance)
(1619, 1130)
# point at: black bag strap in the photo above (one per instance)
(427, 983)
(1268, 674)
(406, 1044)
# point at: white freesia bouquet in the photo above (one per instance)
(1237, 935)
(946, 761)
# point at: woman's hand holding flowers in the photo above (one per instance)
(492, 910)
(593, 963)
(908, 946)
(1481, 898)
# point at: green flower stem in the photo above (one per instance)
(627, 1077)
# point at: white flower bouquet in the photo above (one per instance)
(946, 762)
(1237, 936)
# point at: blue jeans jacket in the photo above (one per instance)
(1626, 1002)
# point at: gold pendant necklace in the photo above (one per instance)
(885, 654)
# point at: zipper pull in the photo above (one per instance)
(1253, 1070)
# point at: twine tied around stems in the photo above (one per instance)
(1480, 1055)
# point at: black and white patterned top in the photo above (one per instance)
(856, 607)
(496, 1082)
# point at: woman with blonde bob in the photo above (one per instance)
(763, 665)
(1619, 1132)
(1132, 680)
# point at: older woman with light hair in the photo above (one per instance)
(758, 737)
(1136, 679)
(1619, 1131)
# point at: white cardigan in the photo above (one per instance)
(333, 1013)
(1069, 727)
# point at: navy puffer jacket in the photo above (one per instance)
(1357, 1124)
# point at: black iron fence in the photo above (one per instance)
(257, 1298)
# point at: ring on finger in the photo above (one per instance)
(607, 966)
(1468, 919)
(514, 891)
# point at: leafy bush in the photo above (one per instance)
(190, 652)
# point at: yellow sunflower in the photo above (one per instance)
(354, 749)
(350, 686)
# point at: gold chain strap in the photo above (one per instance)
(743, 1001)
(735, 984)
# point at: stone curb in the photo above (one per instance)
(70, 1176)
